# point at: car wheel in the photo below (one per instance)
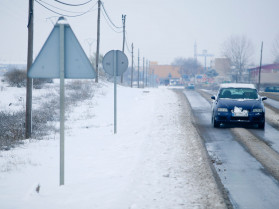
(214, 122)
(261, 125)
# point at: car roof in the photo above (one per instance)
(237, 85)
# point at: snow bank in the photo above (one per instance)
(155, 160)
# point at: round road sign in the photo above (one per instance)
(120, 65)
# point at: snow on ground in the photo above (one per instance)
(156, 159)
(13, 98)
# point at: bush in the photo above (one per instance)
(16, 77)
(12, 126)
(11, 129)
(39, 82)
(78, 90)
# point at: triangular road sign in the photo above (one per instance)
(46, 64)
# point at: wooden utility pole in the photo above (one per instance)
(132, 70)
(123, 45)
(260, 69)
(98, 42)
(29, 81)
(138, 67)
(123, 22)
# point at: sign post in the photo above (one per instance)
(62, 103)
(115, 63)
(115, 90)
(62, 57)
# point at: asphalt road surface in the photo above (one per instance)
(248, 181)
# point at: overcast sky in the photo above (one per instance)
(161, 29)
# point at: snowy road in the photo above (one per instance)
(248, 182)
(273, 103)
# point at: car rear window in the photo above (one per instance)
(238, 93)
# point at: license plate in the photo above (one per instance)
(240, 114)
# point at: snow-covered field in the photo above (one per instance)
(156, 159)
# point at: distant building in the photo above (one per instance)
(269, 74)
(165, 73)
(222, 67)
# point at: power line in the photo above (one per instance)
(109, 17)
(74, 5)
(62, 9)
(107, 21)
(64, 14)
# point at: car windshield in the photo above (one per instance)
(238, 93)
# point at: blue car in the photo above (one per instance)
(238, 103)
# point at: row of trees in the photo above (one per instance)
(238, 49)
(189, 66)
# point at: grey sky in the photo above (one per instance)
(161, 29)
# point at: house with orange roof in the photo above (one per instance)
(165, 73)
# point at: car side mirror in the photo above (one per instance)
(264, 98)
(213, 97)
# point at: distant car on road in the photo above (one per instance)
(191, 86)
(239, 104)
(272, 89)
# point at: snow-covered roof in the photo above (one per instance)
(237, 85)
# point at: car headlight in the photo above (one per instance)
(222, 109)
(257, 110)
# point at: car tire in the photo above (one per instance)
(214, 122)
(261, 125)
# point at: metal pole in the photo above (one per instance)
(146, 69)
(260, 69)
(62, 107)
(29, 81)
(98, 42)
(132, 71)
(138, 67)
(115, 66)
(204, 63)
(143, 72)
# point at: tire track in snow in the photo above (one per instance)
(259, 149)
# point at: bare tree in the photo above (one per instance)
(92, 59)
(188, 66)
(275, 49)
(239, 49)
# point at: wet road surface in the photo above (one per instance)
(272, 103)
(269, 135)
(248, 184)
